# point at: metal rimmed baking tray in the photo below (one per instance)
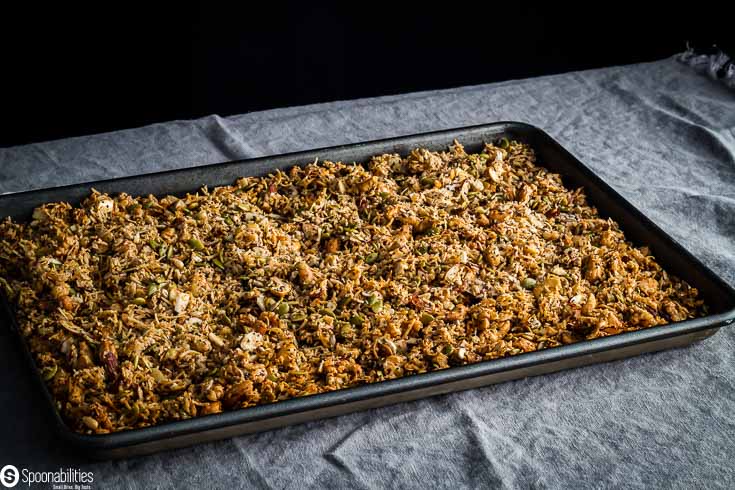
(639, 229)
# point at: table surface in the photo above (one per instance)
(661, 134)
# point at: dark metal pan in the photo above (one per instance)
(719, 296)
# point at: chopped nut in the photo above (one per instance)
(181, 300)
(305, 273)
(332, 245)
(209, 408)
(90, 422)
(239, 393)
(251, 341)
(279, 287)
(216, 340)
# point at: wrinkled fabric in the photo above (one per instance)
(717, 66)
(660, 133)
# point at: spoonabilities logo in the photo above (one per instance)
(9, 476)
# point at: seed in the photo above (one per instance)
(347, 331)
(270, 303)
(373, 298)
(196, 244)
(327, 312)
(377, 306)
(218, 263)
(426, 318)
(371, 258)
(49, 372)
(298, 316)
(139, 301)
(357, 320)
(158, 375)
(283, 309)
(6, 286)
(528, 283)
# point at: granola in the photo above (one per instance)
(143, 310)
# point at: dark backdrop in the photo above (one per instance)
(69, 71)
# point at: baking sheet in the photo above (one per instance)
(639, 229)
(659, 133)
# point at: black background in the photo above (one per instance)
(70, 71)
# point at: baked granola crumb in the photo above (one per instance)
(144, 310)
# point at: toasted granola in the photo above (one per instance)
(144, 310)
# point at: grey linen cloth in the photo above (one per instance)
(661, 134)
